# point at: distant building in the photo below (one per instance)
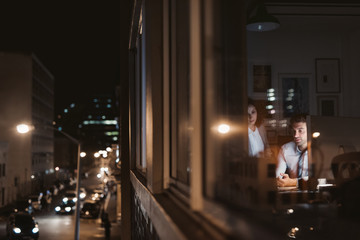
(26, 96)
(93, 121)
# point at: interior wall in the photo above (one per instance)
(334, 133)
(294, 47)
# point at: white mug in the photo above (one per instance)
(321, 181)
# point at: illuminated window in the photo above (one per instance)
(100, 122)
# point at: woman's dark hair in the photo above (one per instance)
(260, 111)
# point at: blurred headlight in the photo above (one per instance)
(17, 230)
(65, 199)
(57, 208)
(35, 230)
(68, 209)
(74, 199)
(290, 211)
(82, 195)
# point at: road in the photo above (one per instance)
(62, 227)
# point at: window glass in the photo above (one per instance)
(181, 127)
(303, 67)
(140, 91)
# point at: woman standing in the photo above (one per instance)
(258, 144)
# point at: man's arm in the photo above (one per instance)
(281, 164)
(283, 179)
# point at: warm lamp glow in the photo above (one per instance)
(223, 128)
(315, 134)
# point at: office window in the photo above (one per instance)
(140, 98)
(225, 111)
(180, 92)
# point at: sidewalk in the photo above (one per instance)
(110, 207)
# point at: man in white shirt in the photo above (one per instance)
(293, 156)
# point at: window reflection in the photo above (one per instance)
(282, 81)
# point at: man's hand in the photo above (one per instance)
(285, 181)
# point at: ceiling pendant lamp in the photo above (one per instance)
(262, 21)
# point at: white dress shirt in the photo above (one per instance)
(288, 159)
(256, 144)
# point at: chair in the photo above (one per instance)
(346, 167)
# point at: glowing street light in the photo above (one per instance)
(24, 128)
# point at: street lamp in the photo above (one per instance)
(24, 128)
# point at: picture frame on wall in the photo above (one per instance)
(328, 105)
(262, 78)
(327, 75)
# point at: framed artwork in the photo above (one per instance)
(294, 93)
(328, 105)
(262, 78)
(327, 75)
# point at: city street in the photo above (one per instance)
(61, 227)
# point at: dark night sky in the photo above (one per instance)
(78, 41)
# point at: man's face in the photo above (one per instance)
(300, 134)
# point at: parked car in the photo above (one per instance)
(90, 209)
(36, 202)
(82, 193)
(22, 225)
(69, 196)
(65, 207)
(97, 195)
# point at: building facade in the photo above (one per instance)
(192, 65)
(27, 96)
